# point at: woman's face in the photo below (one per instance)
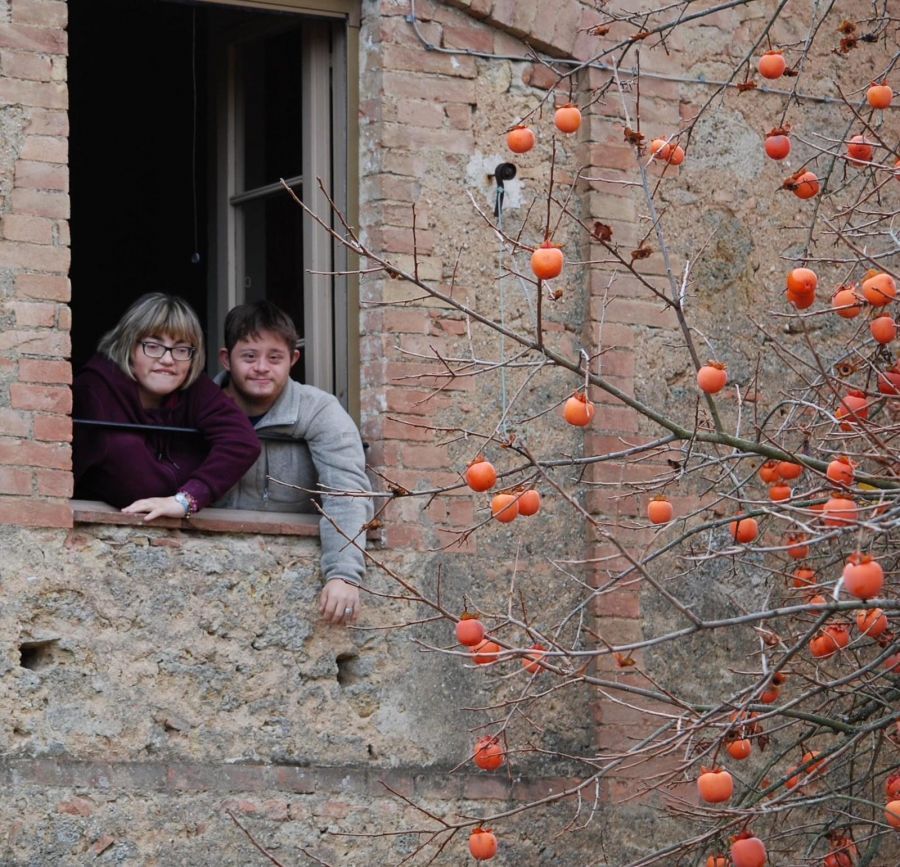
(158, 377)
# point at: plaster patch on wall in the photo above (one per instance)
(723, 142)
(481, 183)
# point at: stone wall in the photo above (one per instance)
(154, 680)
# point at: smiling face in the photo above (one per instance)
(259, 367)
(158, 377)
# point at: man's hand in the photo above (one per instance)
(339, 602)
(156, 507)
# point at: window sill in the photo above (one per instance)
(207, 520)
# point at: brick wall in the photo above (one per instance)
(35, 401)
(445, 110)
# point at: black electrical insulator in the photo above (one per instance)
(503, 172)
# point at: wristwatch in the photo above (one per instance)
(186, 502)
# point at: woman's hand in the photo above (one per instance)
(339, 602)
(156, 507)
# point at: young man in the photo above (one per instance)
(318, 448)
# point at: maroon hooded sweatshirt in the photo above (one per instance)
(121, 466)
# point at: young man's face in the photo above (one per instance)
(260, 367)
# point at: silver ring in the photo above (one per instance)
(348, 611)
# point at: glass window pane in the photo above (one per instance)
(273, 255)
(270, 75)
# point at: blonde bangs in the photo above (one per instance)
(154, 315)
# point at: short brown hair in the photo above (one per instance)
(153, 315)
(248, 320)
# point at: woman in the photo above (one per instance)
(149, 371)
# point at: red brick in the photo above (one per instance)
(36, 257)
(32, 314)
(460, 116)
(331, 809)
(621, 601)
(403, 135)
(613, 418)
(14, 424)
(41, 203)
(391, 239)
(412, 479)
(45, 286)
(41, 176)
(534, 790)
(44, 94)
(417, 86)
(395, 430)
(44, 121)
(417, 59)
(566, 23)
(406, 321)
(537, 75)
(50, 428)
(404, 536)
(616, 738)
(612, 502)
(416, 112)
(33, 38)
(276, 809)
(28, 454)
(398, 31)
(427, 374)
(34, 370)
(625, 310)
(33, 230)
(25, 64)
(40, 13)
(466, 36)
(54, 483)
(628, 286)
(406, 162)
(485, 789)
(15, 481)
(24, 512)
(415, 456)
(402, 215)
(45, 149)
(396, 187)
(425, 344)
(50, 343)
(586, 43)
(617, 471)
(412, 401)
(76, 807)
(40, 398)
(446, 324)
(454, 511)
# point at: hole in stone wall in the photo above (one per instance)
(36, 654)
(348, 668)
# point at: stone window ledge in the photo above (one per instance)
(207, 520)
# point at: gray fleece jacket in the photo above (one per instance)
(321, 451)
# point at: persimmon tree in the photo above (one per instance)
(791, 465)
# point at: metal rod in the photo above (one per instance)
(268, 190)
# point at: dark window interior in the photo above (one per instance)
(138, 185)
(143, 152)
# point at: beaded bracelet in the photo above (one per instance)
(188, 502)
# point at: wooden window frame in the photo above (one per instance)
(331, 304)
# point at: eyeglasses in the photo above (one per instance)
(152, 349)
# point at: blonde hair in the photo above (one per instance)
(153, 315)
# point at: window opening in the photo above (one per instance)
(219, 103)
